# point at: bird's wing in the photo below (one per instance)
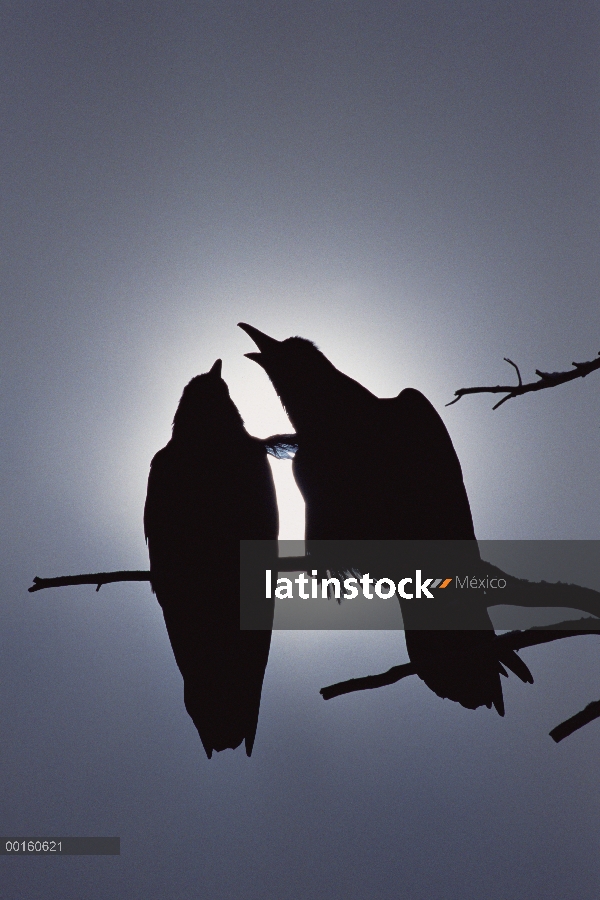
(422, 445)
(159, 494)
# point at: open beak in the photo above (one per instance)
(264, 343)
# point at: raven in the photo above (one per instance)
(373, 468)
(208, 488)
(368, 468)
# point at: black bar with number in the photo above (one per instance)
(60, 846)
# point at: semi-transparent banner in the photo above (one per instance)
(430, 585)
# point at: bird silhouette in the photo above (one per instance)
(373, 468)
(210, 487)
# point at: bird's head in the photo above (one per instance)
(205, 405)
(302, 376)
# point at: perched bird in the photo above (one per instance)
(383, 469)
(368, 468)
(210, 487)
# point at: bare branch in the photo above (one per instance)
(522, 592)
(98, 578)
(392, 676)
(546, 380)
(535, 594)
(514, 640)
(591, 712)
(284, 564)
(544, 634)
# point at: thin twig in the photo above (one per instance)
(546, 380)
(515, 366)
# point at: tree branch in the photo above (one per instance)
(591, 712)
(543, 634)
(523, 592)
(393, 675)
(513, 640)
(284, 564)
(546, 380)
(98, 578)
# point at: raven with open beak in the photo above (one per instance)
(373, 468)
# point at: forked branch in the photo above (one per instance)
(545, 380)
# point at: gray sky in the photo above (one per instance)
(414, 186)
